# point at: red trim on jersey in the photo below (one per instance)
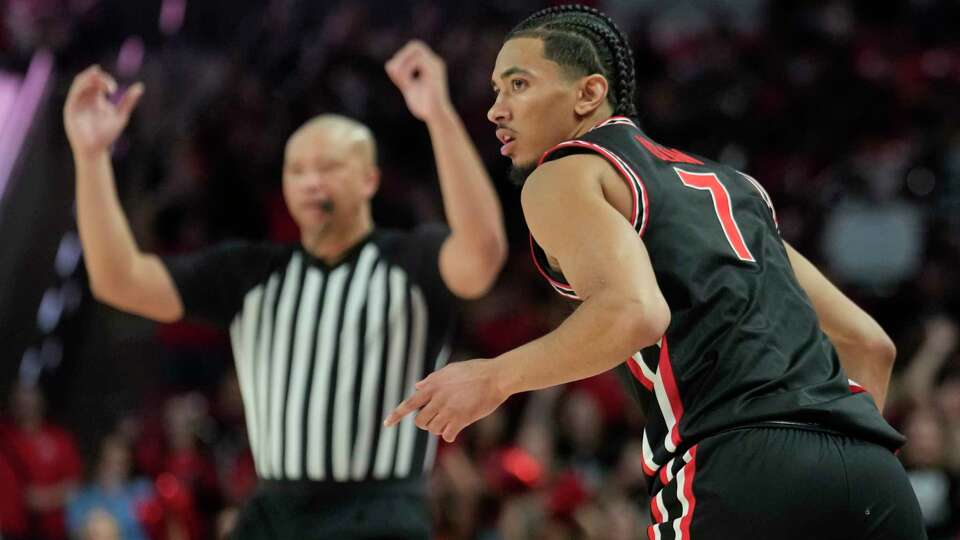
(665, 370)
(857, 389)
(638, 374)
(629, 176)
(663, 474)
(687, 519)
(562, 288)
(647, 470)
(655, 511)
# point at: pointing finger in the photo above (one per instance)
(414, 402)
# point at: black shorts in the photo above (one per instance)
(356, 511)
(784, 483)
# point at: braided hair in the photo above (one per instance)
(584, 41)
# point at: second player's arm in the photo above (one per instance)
(866, 352)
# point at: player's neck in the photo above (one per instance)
(590, 121)
(332, 242)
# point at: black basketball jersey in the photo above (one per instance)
(744, 345)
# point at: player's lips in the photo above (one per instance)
(508, 139)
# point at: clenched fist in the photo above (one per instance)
(421, 76)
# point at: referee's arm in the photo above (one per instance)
(120, 274)
(473, 255)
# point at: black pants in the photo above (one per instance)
(784, 483)
(355, 511)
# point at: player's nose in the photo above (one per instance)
(498, 112)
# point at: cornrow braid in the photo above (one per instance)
(583, 39)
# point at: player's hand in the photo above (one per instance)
(92, 122)
(421, 76)
(452, 398)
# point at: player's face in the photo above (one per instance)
(534, 107)
(326, 179)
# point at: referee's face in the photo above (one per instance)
(328, 179)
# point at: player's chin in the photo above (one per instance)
(520, 171)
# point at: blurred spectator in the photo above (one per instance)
(931, 456)
(924, 457)
(101, 525)
(13, 512)
(873, 237)
(114, 504)
(187, 481)
(231, 451)
(44, 457)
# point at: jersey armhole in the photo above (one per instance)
(555, 279)
(640, 213)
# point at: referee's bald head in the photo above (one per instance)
(340, 128)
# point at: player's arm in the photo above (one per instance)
(605, 262)
(476, 249)
(866, 352)
(120, 275)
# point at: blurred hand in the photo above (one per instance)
(452, 398)
(421, 76)
(92, 122)
(941, 333)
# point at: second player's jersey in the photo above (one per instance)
(744, 345)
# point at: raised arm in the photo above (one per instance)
(866, 351)
(473, 255)
(120, 275)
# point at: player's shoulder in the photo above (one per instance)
(567, 175)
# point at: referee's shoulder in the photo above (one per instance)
(253, 256)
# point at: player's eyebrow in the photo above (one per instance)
(514, 71)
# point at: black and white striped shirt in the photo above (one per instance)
(323, 353)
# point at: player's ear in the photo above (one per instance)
(591, 94)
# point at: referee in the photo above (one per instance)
(329, 334)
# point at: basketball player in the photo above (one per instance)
(760, 380)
